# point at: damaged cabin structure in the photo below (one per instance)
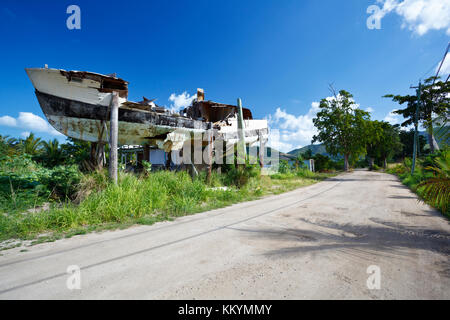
(78, 103)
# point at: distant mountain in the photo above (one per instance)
(315, 149)
(441, 139)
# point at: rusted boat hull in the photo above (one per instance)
(89, 122)
(77, 104)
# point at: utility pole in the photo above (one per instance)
(416, 127)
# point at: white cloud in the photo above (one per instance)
(289, 131)
(29, 122)
(420, 16)
(393, 118)
(181, 101)
(369, 109)
(8, 121)
(25, 134)
(32, 122)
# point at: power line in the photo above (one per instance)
(431, 68)
(442, 62)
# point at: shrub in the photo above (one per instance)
(147, 167)
(323, 163)
(305, 173)
(63, 181)
(436, 189)
(375, 167)
(284, 167)
(398, 169)
(430, 182)
(91, 182)
(239, 175)
(20, 173)
(407, 162)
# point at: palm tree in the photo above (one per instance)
(437, 189)
(30, 145)
(53, 154)
(7, 140)
(442, 124)
(8, 145)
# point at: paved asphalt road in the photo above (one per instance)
(312, 243)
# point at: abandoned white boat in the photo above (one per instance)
(76, 103)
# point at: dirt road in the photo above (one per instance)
(311, 243)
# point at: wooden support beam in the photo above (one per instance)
(93, 155)
(97, 155)
(168, 160)
(100, 155)
(113, 136)
(146, 152)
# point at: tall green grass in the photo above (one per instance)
(147, 199)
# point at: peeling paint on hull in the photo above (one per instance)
(90, 122)
(76, 103)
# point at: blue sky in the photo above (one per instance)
(278, 56)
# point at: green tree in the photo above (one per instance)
(299, 161)
(383, 142)
(30, 145)
(435, 100)
(53, 154)
(322, 163)
(8, 146)
(307, 154)
(78, 152)
(442, 132)
(437, 189)
(342, 126)
(407, 140)
(375, 132)
(389, 143)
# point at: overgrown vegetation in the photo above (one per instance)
(26, 184)
(79, 202)
(431, 179)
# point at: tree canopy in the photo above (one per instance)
(434, 101)
(342, 126)
(383, 141)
